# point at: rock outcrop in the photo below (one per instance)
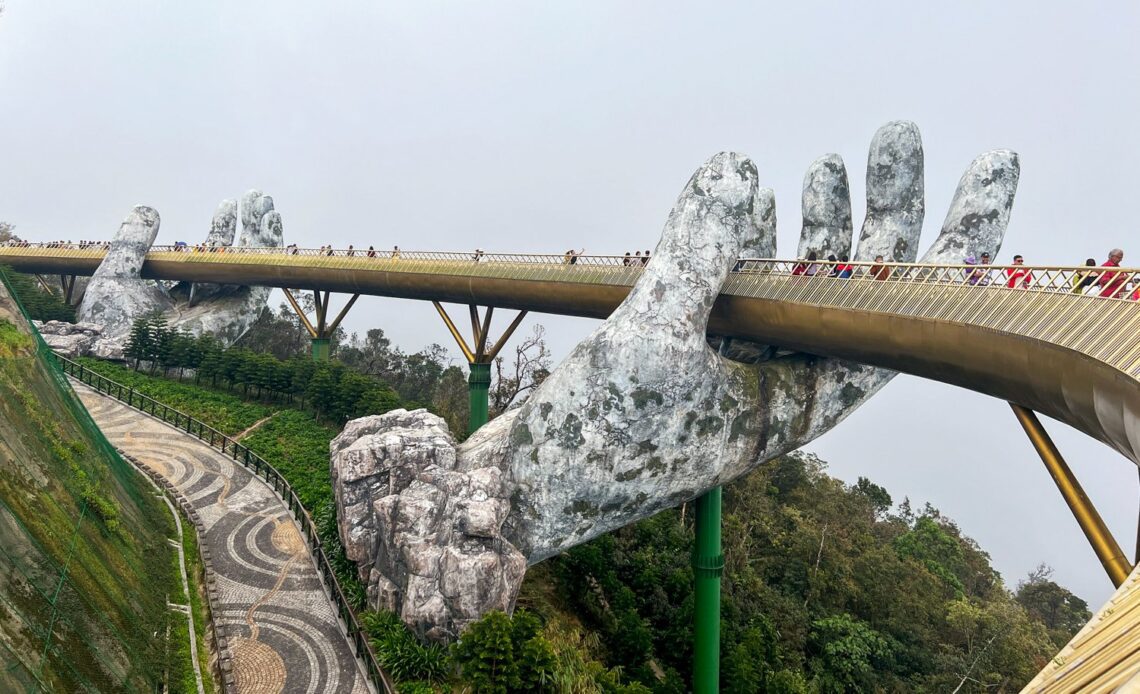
(642, 415)
(69, 339)
(427, 535)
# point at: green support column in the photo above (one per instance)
(708, 564)
(478, 385)
(320, 347)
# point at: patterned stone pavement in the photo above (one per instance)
(282, 630)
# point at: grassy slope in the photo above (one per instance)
(71, 509)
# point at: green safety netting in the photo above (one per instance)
(85, 571)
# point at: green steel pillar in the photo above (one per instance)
(478, 385)
(320, 348)
(708, 563)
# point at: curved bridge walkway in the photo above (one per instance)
(282, 631)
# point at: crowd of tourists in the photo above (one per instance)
(82, 245)
(1099, 281)
(635, 259)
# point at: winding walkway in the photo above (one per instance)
(282, 630)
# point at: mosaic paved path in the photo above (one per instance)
(282, 631)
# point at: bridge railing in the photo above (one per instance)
(1103, 282)
(261, 468)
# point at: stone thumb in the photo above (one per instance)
(707, 228)
(130, 245)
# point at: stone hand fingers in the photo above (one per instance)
(975, 223)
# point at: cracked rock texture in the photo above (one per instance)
(426, 534)
(117, 296)
(69, 339)
(896, 198)
(643, 414)
(826, 207)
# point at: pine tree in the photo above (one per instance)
(321, 390)
(160, 335)
(138, 341)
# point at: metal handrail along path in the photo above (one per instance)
(261, 468)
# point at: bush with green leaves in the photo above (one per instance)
(505, 655)
(401, 653)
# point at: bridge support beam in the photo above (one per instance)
(66, 286)
(320, 331)
(479, 359)
(708, 564)
(1106, 548)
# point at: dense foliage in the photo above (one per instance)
(39, 304)
(329, 389)
(426, 378)
(824, 590)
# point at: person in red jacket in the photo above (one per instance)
(1112, 283)
(1019, 277)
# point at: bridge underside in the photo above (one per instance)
(1036, 349)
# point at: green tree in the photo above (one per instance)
(936, 549)
(160, 342)
(138, 345)
(210, 359)
(1062, 613)
(845, 654)
(486, 656)
(451, 400)
(321, 390)
(41, 304)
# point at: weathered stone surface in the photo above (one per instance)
(427, 538)
(896, 198)
(73, 345)
(224, 224)
(69, 339)
(222, 229)
(116, 295)
(980, 211)
(826, 206)
(110, 350)
(642, 415)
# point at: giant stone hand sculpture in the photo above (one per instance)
(116, 296)
(643, 414)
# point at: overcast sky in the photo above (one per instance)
(537, 127)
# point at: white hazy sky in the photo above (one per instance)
(537, 127)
